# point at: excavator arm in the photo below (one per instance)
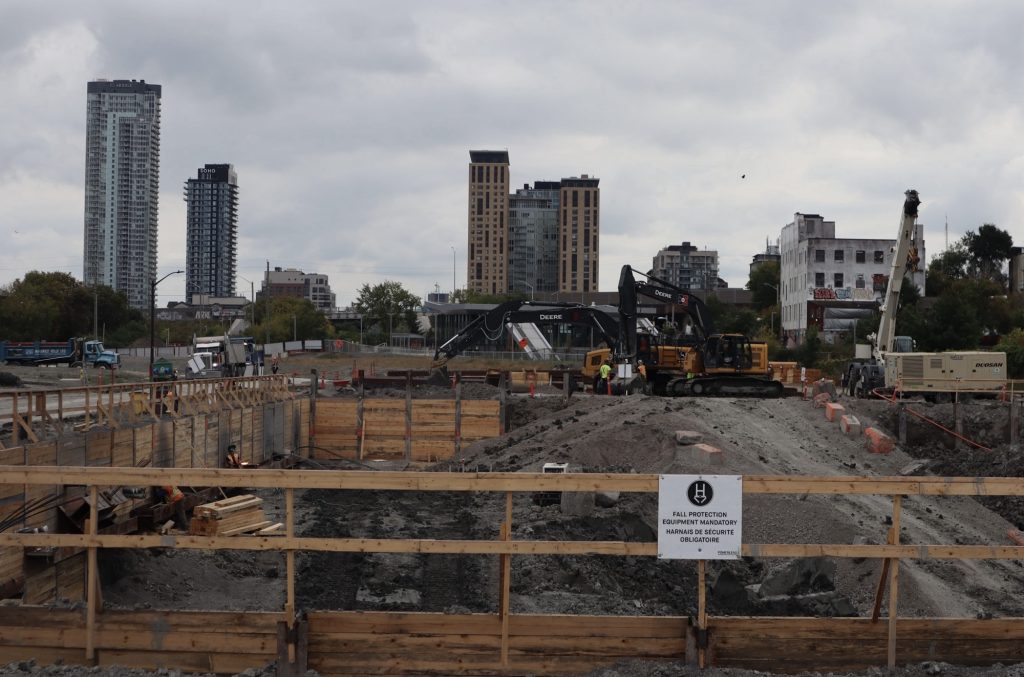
(652, 287)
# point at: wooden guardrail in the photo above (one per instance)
(505, 642)
(117, 404)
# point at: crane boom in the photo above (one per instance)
(903, 250)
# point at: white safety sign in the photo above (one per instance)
(700, 516)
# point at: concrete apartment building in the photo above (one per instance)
(211, 236)
(538, 240)
(488, 222)
(769, 255)
(687, 267)
(580, 206)
(122, 186)
(825, 279)
(313, 287)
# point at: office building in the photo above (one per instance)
(488, 222)
(313, 287)
(122, 185)
(211, 250)
(533, 238)
(687, 267)
(824, 278)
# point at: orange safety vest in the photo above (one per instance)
(173, 494)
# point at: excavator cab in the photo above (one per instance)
(728, 353)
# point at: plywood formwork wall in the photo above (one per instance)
(341, 643)
(414, 430)
(198, 441)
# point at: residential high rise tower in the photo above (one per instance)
(211, 257)
(122, 185)
(488, 222)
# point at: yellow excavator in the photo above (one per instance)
(691, 359)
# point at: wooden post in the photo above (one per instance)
(1014, 421)
(902, 423)
(894, 579)
(360, 423)
(506, 578)
(702, 613)
(503, 400)
(15, 428)
(958, 421)
(289, 608)
(458, 416)
(311, 440)
(90, 589)
(408, 415)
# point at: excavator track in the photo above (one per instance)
(724, 386)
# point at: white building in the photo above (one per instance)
(824, 278)
(122, 187)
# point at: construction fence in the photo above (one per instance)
(350, 642)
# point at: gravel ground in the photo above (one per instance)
(636, 434)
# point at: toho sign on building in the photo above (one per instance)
(700, 516)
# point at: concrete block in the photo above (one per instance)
(824, 386)
(688, 437)
(821, 399)
(850, 425)
(708, 455)
(878, 442)
(833, 411)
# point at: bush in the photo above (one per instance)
(1013, 345)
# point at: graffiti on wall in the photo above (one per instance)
(841, 294)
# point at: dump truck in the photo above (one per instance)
(73, 352)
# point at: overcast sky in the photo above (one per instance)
(349, 123)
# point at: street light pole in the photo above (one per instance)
(252, 303)
(152, 317)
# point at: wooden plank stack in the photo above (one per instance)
(231, 517)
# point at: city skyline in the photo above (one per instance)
(350, 125)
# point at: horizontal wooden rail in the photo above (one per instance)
(522, 482)
(483, 547)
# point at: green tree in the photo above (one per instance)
(764, 285)
(282, 318)
(56, 306)
(810, 350)
(1013, 345)
(387, 307)
(989, 248)
(948, 266)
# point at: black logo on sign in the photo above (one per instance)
(699, 493)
